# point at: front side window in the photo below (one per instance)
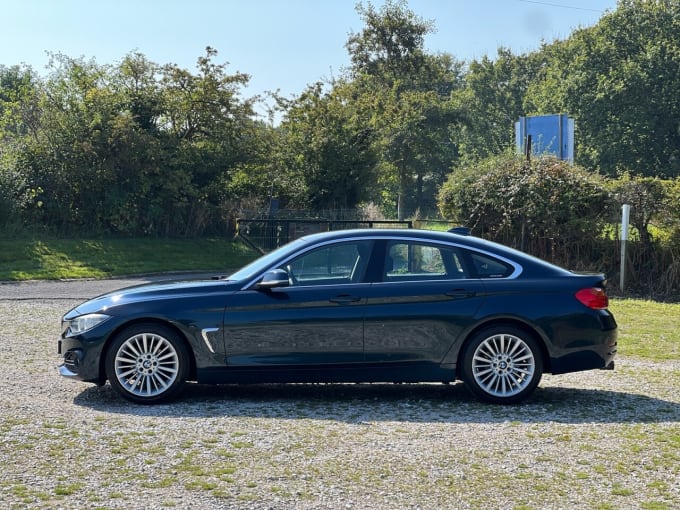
(330, 265)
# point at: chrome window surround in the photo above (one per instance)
(517, 269)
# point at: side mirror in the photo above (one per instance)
(273, 279)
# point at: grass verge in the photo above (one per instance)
(51, 259)
(647, 329)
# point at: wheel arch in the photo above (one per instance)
(147, 320)
(505, 321)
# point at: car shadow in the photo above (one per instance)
(424, 403)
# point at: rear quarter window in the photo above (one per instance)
(489, 267)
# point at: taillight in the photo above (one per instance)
(593, 297)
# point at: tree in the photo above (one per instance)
(206, 129)
(19, 113)
(619, 79)
(206, 104)
(329, 147)
(407, 96)
(19, 118)
(493, 100)
(62, 161)
(136, 79)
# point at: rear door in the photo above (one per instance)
(425, 298)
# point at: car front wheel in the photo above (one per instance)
(502, 365)
(147, 363)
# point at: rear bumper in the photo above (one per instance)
(599, 355)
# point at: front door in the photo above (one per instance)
(316, 320)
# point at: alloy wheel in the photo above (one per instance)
(146, 365)
(503, 365)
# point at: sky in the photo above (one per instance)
(284, 45)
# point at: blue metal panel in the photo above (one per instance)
(550, 134)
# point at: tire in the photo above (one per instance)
(502, 365)
(147, 363)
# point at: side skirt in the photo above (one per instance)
(397, 373)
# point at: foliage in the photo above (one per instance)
(619, 79)
(568, 215)
(508, 198)
(18, 108)
(133, 149)
(646, 196)
(671, 203)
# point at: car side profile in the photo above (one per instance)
(350, 306)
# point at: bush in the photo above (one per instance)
(512, 200)
(567, 215)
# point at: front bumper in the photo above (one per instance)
(81, 359)
(65, 371)
(72, 361)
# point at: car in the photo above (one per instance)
(352, 306)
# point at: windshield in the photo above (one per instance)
(259, 265)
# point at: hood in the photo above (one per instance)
(154, 292)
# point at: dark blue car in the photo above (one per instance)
(351, 306)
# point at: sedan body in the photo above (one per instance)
(350, 306)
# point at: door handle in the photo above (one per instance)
(344, 299)
(461, 294)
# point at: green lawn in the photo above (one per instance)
(647, 329)
(51, 258)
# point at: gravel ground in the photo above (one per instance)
(590, 440)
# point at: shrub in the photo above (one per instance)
(513, 200)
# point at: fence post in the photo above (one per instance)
(625, 215)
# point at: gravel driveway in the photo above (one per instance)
(590, 440)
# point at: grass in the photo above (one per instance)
(52, 258)
(648, 329)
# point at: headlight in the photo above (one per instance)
(85, 322)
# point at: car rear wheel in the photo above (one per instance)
(147, 363)
(502, 365)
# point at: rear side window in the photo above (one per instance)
(413, 261)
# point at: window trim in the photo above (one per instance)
(376, 240)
